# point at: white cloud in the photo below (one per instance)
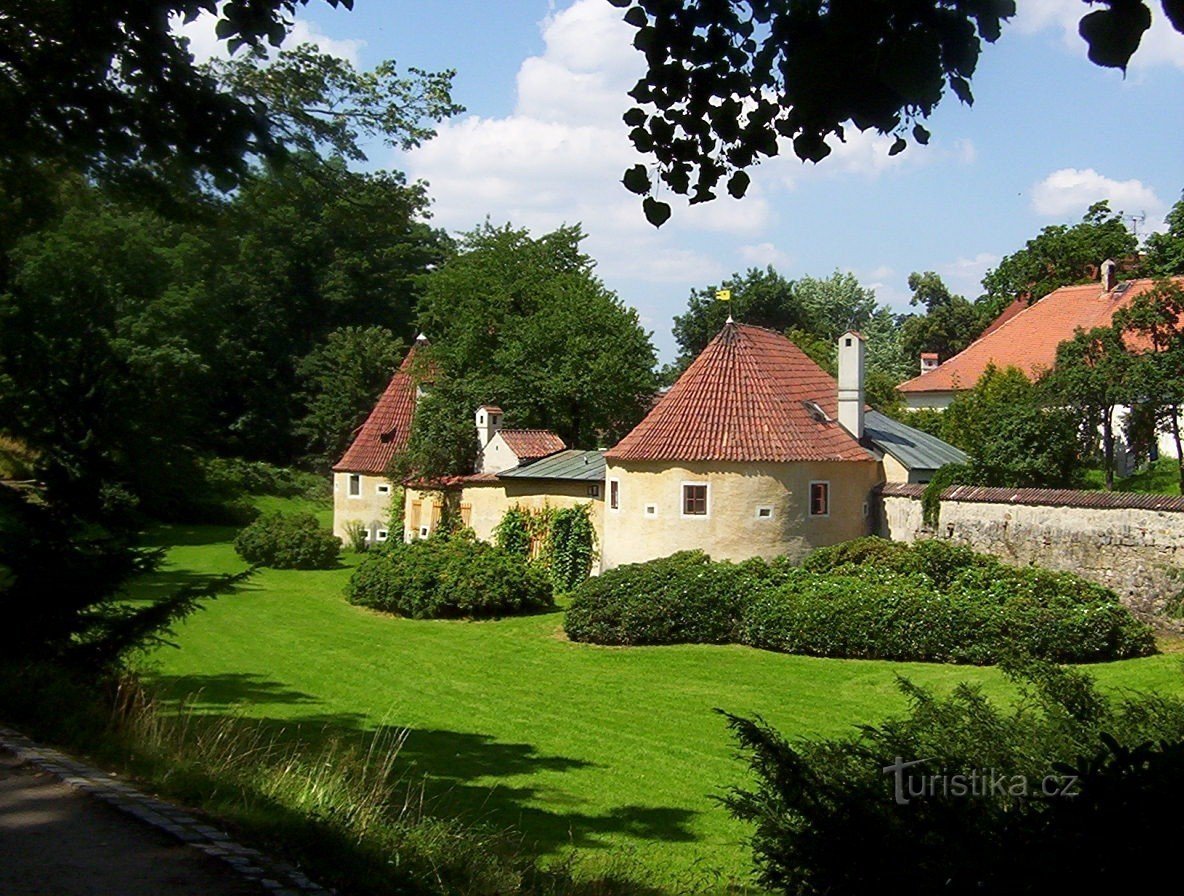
(964, 276)
(205, 45)
(1072, 190)
(1161, 45)
(765, 254)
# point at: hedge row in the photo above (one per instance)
(869, 599)
(448, 577)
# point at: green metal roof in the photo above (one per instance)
(570, 464)
(915, 449)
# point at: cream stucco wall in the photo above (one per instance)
(371, 508)
(732, 530)
(915, 401)
(482, 505)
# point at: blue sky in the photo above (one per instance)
(542, 144)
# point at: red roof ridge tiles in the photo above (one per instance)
(386, 431)
(1027, 338)
(742, 399)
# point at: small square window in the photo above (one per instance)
(382, 535)
(764, 512)
(651, 510)
(694, 499)
(614, 494)
(384, 489)
(355, 485)
(594, 491)
(819, 499)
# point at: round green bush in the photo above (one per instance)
(288, 541)
(680, 599)
(449, 577)
(931, 601)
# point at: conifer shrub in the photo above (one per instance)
(288, 541)
(453, 576)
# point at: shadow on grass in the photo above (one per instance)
(461, 773)
(169, 535)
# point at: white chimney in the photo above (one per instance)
(929, 361)
(851, 362)
(1109, 275)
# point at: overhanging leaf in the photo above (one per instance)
(656, 212)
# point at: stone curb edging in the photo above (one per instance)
(276, 877)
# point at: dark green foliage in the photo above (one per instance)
(288, 541)
(235, 476)
(816, 804)
(512, 533)
(943, 478)
(571, 546)
(1164, 252)
(1060, 255)
(949, 324)
(683, 598)
(449, 577)
(931, 601)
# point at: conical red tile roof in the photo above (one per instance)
(744, 399)
(388, 427)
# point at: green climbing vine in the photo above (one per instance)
(513, 532)
(562, 540)
(943, 478)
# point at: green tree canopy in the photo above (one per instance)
(727, 82)
(1060, 255)
(1164, 252)
(524, 323)
(949, 324)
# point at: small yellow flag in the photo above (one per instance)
(724, 295)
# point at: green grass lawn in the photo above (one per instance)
(1161, 477)
(611, 751)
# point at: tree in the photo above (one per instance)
(762, 298)
(949, 324)
(1059, 256)
(341, 378)
(726, 83)
(524, 323)
(1093, 376)
(1155, 320)
(1164, 252)
(1013, 438)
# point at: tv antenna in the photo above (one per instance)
(1136, 222)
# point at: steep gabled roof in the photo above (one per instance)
(388, 427)
(744, 399)
(1027, 338)
(532, 444)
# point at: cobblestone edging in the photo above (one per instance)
(275, 877)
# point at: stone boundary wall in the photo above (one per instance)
(1131, 543)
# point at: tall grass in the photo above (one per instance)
(347, 810)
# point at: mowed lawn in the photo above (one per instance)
(615, 752)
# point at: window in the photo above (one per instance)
(764, 512)
(614, 494)
(594, 491)
(694, 499)
(355, 485)
(819, 499)
(651, 510)
(382, 535)
(384, 489)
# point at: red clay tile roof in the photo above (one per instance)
(1029, 337)
(388, 427)
(532, 444)
(742, 400)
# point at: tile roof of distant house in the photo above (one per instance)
(532, 444)
(744, 399)
(388, 427)
(1028, 337)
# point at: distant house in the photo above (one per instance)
(362, 490)
(755, 451)
(1023, 336)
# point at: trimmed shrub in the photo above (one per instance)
(680, 599)
(448, 577)
(931, 601)
(288, 541)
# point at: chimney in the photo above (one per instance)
(1109, 275)
(489, 422)
(929, 361)
(851, 362)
